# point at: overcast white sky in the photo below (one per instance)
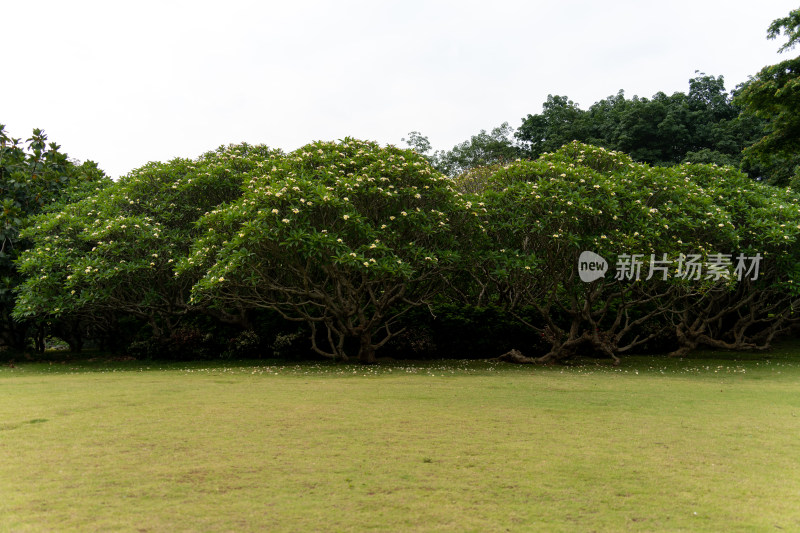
(124, 83)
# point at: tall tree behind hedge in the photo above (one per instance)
(773, 95)
(700, 126)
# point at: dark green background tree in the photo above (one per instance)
(773, 95)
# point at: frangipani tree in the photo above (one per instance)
(757, 301)
(344, 236)
(584, 198)
(114, 252)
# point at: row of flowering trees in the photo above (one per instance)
(351, 239)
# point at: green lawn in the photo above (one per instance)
(706, 444)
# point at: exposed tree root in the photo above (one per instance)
(515, 356)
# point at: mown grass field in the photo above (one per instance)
(702, 444)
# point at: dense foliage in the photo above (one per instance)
(544, 213)
(344, 237)
(348, 238)
(34, 177)
(704, 125)
(112, 254)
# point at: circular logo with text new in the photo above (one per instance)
(591, 266)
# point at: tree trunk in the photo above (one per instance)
(39, 339)
(687, 342)
(366, 350)
(75, 342)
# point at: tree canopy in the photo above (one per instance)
(347, 238)
(773, 95)
(703, 125)
(344, 237)
(789, 26)
(112, 253)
